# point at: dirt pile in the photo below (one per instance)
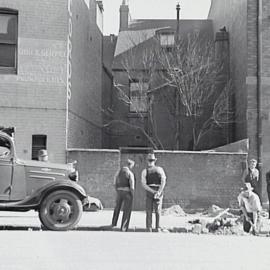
(175, 210)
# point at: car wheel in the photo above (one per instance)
(60, 211)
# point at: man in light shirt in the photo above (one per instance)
(250, 205)
(153, 181)
(124, 183)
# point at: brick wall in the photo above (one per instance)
(85, 119)
(265, 99)
(194, 179)
(49, 40)
(34, 99)
(243, 14)
(96, 171)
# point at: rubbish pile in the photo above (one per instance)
(217, 220)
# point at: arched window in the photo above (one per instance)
(8, 40)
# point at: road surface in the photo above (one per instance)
(32, 249)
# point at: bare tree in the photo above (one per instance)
(142, 69)
(189, 80)
(201, 88)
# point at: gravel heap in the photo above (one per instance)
(175, 210)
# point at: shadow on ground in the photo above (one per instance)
(80, 228)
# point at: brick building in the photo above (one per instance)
(248, 24)
(133, 122)
(51, 74)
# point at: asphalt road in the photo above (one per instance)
(26, 247)
(116, 251)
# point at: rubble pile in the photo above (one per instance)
(175, 210)
(217, 221)
(217, 226)
(215, 210)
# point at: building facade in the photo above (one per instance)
(50, 74)
(142, 119)
(248, 24)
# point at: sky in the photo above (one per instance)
(153, 9)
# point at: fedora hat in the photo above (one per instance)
(247, 187)
(151, 157)
(42, 153)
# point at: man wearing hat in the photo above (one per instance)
(153, 181)
(250, 205)
(124, 185)
(251, 175)
(43, 155)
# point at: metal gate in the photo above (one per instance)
(139, 156)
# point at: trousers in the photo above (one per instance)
(246, 224)
(155, 205)
(124, 200)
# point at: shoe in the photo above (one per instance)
(149, 229)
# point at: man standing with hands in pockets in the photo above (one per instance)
(153, 181)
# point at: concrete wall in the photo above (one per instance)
(84, 106)
(34, 99)
(194, 179)
(233, 15)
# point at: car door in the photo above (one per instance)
(6, 168)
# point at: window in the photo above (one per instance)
(5, 148)
(8, 40)
(167, 39)
(38, 142)
(138, 96)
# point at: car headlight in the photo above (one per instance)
(74, 176)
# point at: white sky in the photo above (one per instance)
(153, 9)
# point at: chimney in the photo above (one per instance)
(124, 14)
(177, 22)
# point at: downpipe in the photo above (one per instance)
(259, 90)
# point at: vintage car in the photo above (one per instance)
(49, 188)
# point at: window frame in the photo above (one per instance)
(37, 147)
(11, 70)
(166, 32)
(138, 81)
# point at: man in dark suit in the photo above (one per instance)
(124, 185)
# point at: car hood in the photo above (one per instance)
(42, 164)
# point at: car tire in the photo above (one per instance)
(61, 210)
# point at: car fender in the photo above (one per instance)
(36, 198)
(34, 201)
(62, 185)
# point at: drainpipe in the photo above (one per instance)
(259, 90)
(177, 99)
